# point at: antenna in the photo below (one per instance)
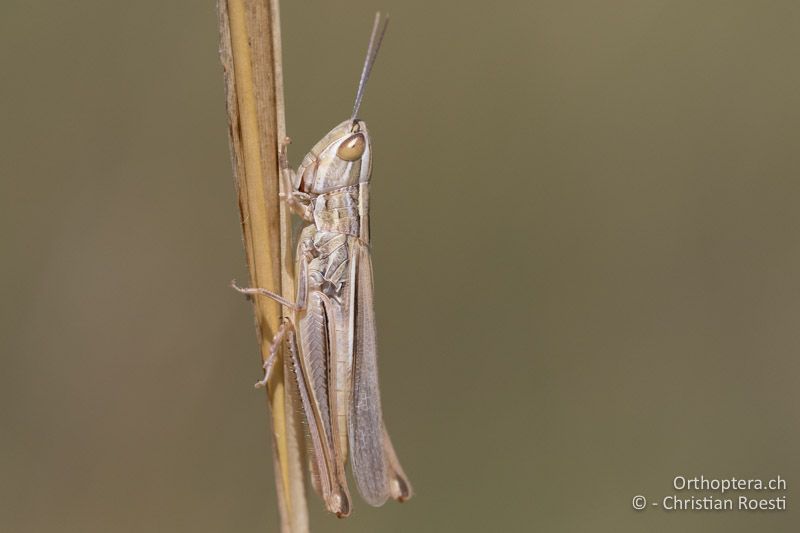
(372, 51)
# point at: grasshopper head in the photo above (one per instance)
(341, 158)
(344, 156)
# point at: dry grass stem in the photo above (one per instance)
(251, 58)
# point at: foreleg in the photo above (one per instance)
(298, 202)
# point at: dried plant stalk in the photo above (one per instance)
(251, 58)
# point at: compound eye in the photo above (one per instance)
(352, 148)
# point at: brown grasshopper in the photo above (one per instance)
(335, 360)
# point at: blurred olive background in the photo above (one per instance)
(586, 247)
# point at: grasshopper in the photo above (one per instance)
(330, 337)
